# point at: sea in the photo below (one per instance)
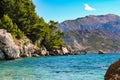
(72, 67)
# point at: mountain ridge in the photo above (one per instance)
(102, 31)
(89, 21)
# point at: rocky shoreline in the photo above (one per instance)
(12, 49)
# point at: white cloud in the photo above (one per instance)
(89, 8)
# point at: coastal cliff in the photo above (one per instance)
(25, 34)
(11, 48)
(8, 49)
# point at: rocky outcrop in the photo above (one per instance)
(100, 52)
(113, 73)
(65, 50)
(43, 51)
(13, 48)
(26, 47)
(9, 50)
(35, 55)
(55, 52)
(70, 49)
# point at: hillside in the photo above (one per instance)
(93, 33)
(24, 34)
(19, 18)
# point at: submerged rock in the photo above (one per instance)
(113, 72)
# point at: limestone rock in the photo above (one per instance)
(55, 52)
(59, 52)
(113, 73)
(100, 52)
(44, 51)
(65, 50)
(7, 45)
(35, 55)
(11, 52)
(26, 47)
(70, 49)
(5, 38)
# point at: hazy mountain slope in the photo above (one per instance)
(94, 32)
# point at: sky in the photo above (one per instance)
(61, 10)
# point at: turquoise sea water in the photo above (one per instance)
(74, 67)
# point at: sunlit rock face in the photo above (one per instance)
(9, 50)
(113, 73)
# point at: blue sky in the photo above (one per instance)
(60, 10)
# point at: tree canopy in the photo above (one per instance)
(19, 18)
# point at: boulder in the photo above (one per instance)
(35, 55)
(44, 51)
(70, 49)
(100, 52)
(26, 47)
(6, 38)
(11, 52)
(56, 52)
(13, 48)
(59, 52)
(113, 72)
(7, 45)
(65, 50)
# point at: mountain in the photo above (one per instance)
(93, 33)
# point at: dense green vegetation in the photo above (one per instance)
(6, 23)
(19, 18)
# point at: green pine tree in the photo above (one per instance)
(6, 23)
